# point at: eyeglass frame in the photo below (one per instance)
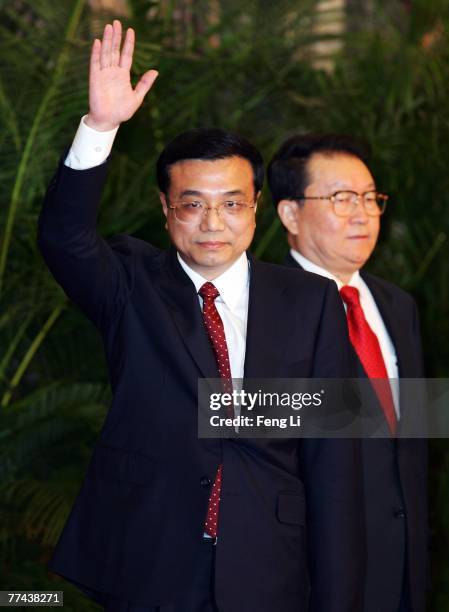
(217, 208)
(354, 202)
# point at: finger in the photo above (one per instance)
(126, 58)
(116, 42)
(106, 46)
(145, 83)
(95, 56)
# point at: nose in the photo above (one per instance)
(359, 214)
(211, 221)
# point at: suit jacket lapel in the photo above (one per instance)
(394, 322)
(411, 409)
(180, 297)
(265, 329)
(292, 263)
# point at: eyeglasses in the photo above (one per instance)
(345, 202)
(191, 211)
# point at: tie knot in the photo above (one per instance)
(208, 290)
(350, 296)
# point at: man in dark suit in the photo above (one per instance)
(165, 521)
(328, 202)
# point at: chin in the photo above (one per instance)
(213, 259)
(210, 262)
(358, 262)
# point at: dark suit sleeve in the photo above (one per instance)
(333, 480)
(91, 273)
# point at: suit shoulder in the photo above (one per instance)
(128, 245)
(387, 287)
(297, 278)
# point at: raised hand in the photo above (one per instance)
(112, 99)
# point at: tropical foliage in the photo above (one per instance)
(254, 70)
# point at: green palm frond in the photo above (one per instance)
(36, 126)
(41, 507)
(47, 423)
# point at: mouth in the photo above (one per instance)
(211, 245)
(359, 237)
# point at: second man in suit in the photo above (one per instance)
(329, 203)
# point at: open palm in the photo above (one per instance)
(112, 98)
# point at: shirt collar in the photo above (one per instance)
(230, 284)
(309, 266)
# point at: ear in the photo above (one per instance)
(288, 213)
(163, 200)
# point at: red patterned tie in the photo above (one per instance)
(367, 347)
(215, 329)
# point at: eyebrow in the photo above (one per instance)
(193, 192)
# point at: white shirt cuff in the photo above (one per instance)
(90, 147)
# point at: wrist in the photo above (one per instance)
(99, 126)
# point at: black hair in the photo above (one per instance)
(287, 172)
(207, 144)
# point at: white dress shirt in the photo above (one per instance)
(90, 147)
(372, 316)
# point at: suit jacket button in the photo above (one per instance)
(399, 513)
(205, 481)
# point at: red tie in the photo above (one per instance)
(215, 329)
(367, 347)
